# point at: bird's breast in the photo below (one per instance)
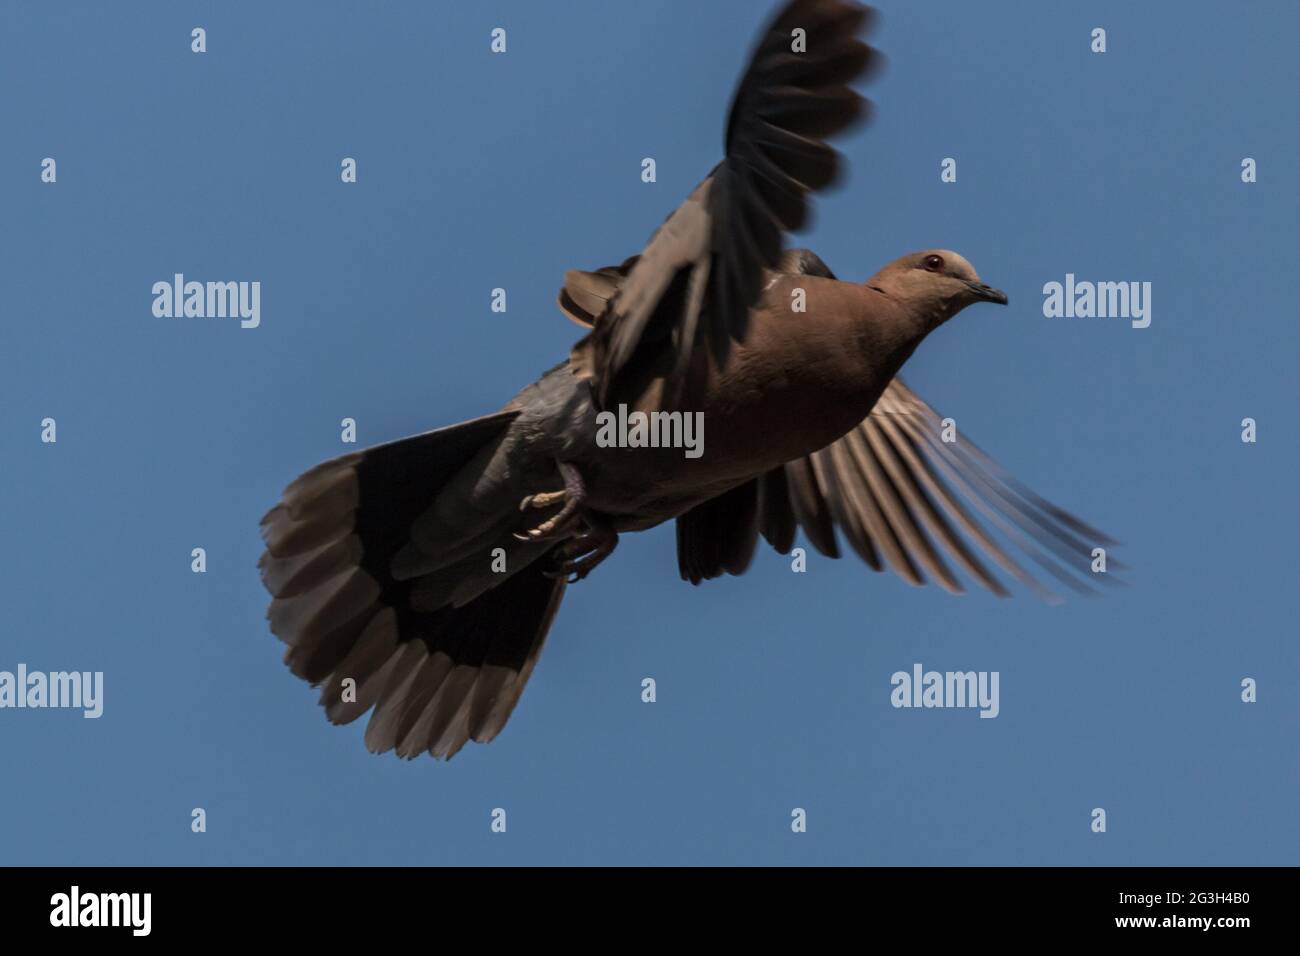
(797, 383)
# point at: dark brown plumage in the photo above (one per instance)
(419, 578)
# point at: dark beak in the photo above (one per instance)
(988, 293)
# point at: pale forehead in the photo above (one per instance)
(955, 260)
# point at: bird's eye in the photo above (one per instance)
(933, 263)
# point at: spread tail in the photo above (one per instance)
(442, 652)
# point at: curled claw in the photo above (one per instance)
(573, 495)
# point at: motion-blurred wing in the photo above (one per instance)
(702, 270)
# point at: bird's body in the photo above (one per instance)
(421, 577)
(798, 382)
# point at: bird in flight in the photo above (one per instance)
(420, 577)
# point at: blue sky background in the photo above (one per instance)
(478, 171)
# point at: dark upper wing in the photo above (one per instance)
(701, 271)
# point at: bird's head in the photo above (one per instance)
(935, 284)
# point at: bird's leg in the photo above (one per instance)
(585, 551)
(573, 495)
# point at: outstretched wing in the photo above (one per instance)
(903, 498)
(695, 281)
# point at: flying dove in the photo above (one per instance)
(420, 577)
